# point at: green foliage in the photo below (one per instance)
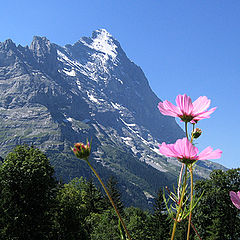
(71, 211)
(26, 194)
(93, 198)
(215, 216)
(75, 202)
(181, 232)
(115, 194)
(137, 222)
(160, 223)
(33, 206)
(104, 225)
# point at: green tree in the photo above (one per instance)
(104, 225)
(215, 216)
(92, 197)
(159, 223)
(137, 223)
(71, 211)
(76, 201)
(115, 194)
(26, 194)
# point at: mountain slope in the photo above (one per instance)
(53, 96)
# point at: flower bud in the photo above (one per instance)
(196, 133)
(82, 151)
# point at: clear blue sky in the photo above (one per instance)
(190, 47)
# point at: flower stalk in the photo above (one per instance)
(180, 205)
(186, 130)
(111, 200)
(83, 152)
(191, 200)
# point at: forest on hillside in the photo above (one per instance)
(36, 205)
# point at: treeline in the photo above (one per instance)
(34, 205)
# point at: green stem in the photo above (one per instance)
(110, 198)
(195, 230)
(186, 130)
(179, 180)
(180, 204)
(192, 132)
(190, 214)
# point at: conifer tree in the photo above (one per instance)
(92, 197)
(115, 194)
(160, 224)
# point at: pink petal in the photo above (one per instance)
(167, 108)
(166, 112)
(238, 193)
(204, 115)
(180, 147)
(235, 199)
(170, 106)
(185, 104)
(167, 150)
(208, 153)
(205, 152)
(201, 104)
(193, 151)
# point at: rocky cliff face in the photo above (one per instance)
(53, 96)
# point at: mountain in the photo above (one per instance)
(53, 96)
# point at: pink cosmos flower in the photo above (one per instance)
(235, 197)
(186, 110)
(185, 152)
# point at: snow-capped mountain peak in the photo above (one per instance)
(103, 42)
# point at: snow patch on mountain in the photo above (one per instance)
(156, 165)
(70, 73)
(128, 124)
(127, 141)
(116, 106)
(92, 98)
(103, 42)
